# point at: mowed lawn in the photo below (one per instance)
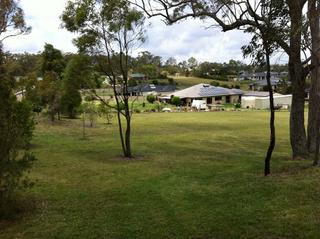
(196, 175)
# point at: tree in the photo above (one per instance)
(12, 21)
(314, 100)
(235, 14)
(16, 124)
(52, 67)
(111, 29)
(192, 63)
(77, 75)
(261, 47)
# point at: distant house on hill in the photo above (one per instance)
(147, 89)
(20, 95)
(211, 94)
(138, 77)
(259, 76)
(263, 84)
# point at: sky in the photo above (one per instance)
(191, 38)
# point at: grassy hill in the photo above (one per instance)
(196, 175)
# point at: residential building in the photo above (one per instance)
(211, 94)
(147, 89)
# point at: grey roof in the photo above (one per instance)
(137, 75)
(259, 93)
(205, 90)
(265, 83)
(151, 88)
(263, 74)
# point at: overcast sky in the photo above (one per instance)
(181, 41)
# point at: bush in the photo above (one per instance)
(16, 128)
(215, 83)
(151, 98)
(175, 100)
(237, 105)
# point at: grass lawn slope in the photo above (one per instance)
(196, 175)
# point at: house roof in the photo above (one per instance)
(151, 88)
(265, 83)
(258, 94)
(263, 74)
(205, 90)
(137, 75)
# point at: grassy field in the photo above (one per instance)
(196, 175)
(184, 82)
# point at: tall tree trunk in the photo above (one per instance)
(298, 137)
(314, 100)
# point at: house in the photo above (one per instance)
(147, 89)
(263, 84)
(20, 95)
(260, 100)
(258, 76)
(138, 77)
(211, 94)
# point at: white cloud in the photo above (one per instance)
(183, 40)
(43, 17)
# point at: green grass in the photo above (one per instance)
(197, 175)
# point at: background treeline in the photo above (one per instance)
(154, 67)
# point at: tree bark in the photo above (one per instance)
(272, 115)
(298, 137)
(314, 100)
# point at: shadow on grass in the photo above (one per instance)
(16, 209)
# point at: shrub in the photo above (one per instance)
(16, 128)
(151, 98)
(215, 83)
(237, 105)
(175, 100)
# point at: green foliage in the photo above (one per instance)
(175, 100)
(77, 75)
(90, 111)
(52, 67)
(70, 101)
(52, 61)
(12, 21)
(16, 127)
(215, 83)
(151, 98)
(105, 111)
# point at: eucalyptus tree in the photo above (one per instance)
(16, 123)
(52, 67)
(110, 28)
(314, 47)
(12, 22)
(236, 14)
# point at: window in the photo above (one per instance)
(218, 98)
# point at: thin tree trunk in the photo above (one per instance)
(272, 114)
(83, 125)
(128, 137)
